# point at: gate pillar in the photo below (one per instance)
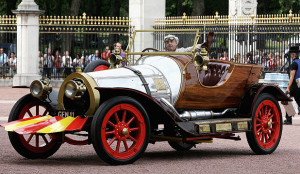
(27, 43)
(143, 14)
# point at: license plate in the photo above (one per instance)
(66, 114)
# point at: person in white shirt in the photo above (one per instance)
(77, 62)
(66, 56)
(12, 62)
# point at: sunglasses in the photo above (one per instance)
(169, 39)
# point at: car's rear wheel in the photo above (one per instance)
(120, 130)
(266, 129)
(97, 65)
(32, 146)
(181, 146)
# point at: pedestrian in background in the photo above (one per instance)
(3, 62)
(294, 74)
(12, 64)
(48, 64)
(105, 55)
(94, 57)
(57, 65)
(41, 62)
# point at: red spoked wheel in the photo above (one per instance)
(120, 130)
(266, 125)
(33, 146)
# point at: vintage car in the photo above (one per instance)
(179, 97)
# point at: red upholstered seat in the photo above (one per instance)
(215, 74)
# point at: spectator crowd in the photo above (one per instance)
(8, 64)
(59, 65)
(270, 61)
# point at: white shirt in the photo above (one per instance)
(13, 62)
(188, 49)
(66, 57)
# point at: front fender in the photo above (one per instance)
(157, 111)
(251, 96)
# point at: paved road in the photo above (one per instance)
(223, 156)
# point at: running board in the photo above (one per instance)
(216, 126)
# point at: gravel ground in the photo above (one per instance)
(222, 156)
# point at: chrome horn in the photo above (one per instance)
(200, 59)
(115, 59)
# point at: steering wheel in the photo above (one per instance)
(147, 50)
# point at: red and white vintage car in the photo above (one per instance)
(179, 97)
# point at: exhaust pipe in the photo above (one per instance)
(196, 115)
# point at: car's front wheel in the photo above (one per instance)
(33, 146)
(266, 129)
(120, 130)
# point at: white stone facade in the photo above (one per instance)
(27, 43)
(143, 14)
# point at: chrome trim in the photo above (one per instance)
(90, 85)
(46, 88)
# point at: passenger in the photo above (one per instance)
(172, 41)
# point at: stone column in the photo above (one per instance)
(238, 9)
(27, 43)
(143, 14)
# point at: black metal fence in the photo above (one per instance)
(81, 35)
(261, 39)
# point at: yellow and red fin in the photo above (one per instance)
(59, 126)
(45, 124)
(33, 128)
(18, 121)
(77, 124)
(18, 125)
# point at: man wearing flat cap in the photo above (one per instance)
(293, 88)
(172, 41)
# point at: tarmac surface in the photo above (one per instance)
(222, 156)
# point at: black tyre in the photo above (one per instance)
(181, 146)
(266, 129)
(97, 65)
(120, 130)
(32, 146)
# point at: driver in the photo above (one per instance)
(172, 41)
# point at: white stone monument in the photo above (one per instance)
(239, 9)
(27, 43)
(143, 14)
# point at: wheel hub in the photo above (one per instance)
(122, 130)
(125, 131)
(266, 124)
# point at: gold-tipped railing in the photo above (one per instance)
(224, 19)
(71, 24)
(85, 20)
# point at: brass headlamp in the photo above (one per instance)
(74, 89)
(200, 59)
(115, 59)
(41, 88)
